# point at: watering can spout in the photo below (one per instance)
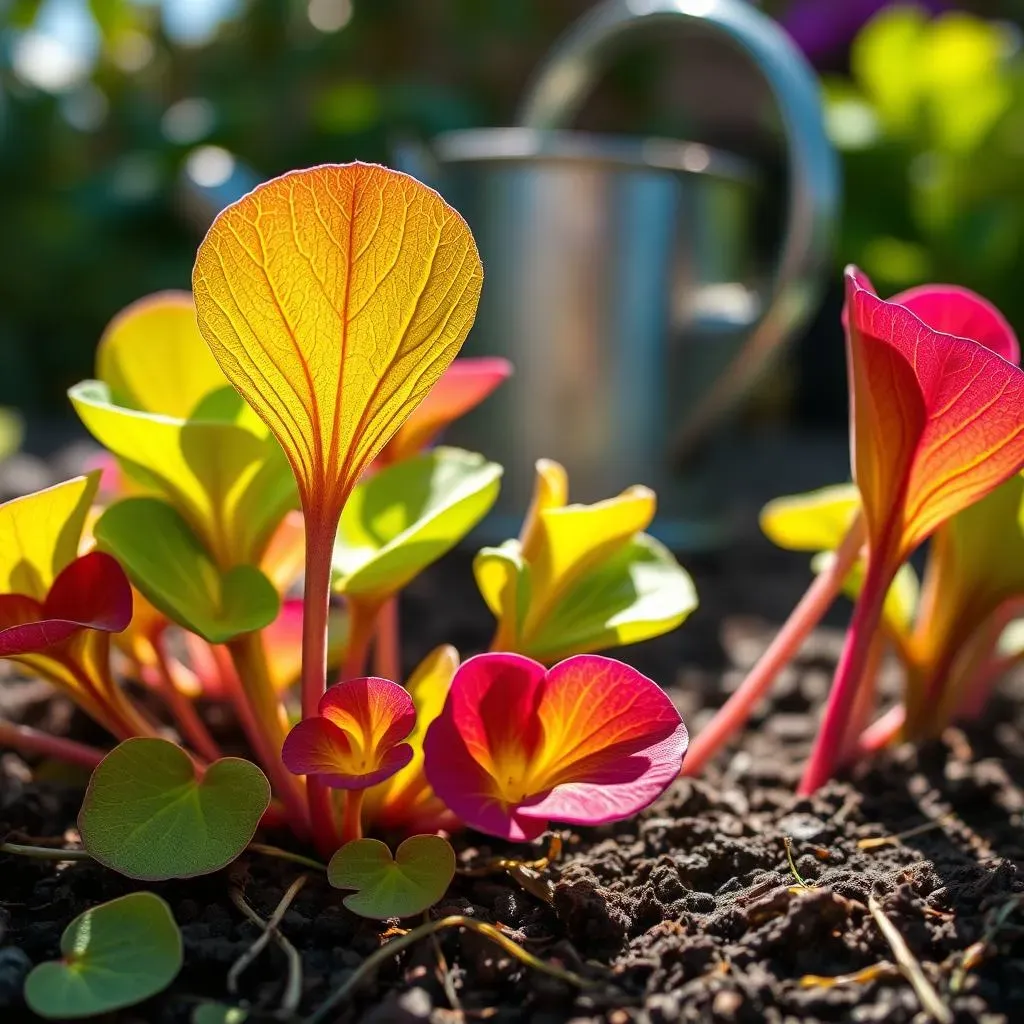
(414, 158)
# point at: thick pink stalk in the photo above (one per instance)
(880, 733)
(867, 616)
(732, 716)
(352, 827)
(33, 741)
(316, 606)
(387, 660)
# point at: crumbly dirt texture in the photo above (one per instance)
(689, 913)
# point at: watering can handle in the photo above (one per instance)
(813, 186)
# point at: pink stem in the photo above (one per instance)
(316, 607)
(387, 661)
(867, 614)
(193, 730)
(34, 741)
(867, 697)
(353, 824)
(880, 733)
(732, 716)
(362, 623)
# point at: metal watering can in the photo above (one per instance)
(618, 273)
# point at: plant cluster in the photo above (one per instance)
(276, 425)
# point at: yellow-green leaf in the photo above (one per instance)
(333, 298)
(41, 533)
(815, 521)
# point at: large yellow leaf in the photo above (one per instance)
(40, 535)
(333, 299)
(153, 358)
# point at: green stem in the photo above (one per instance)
(261, 717)
(352, 826)
(867, 614)
(295, 858)
(43, 852)
(316, 605)
(388, 951)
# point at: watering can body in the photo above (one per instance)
(620, 277)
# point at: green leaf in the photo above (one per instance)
(405, 517)
(148, 815)
(113, 955)
(639, 593)
(178, 576)
(218, 1013)
(417, 877)
(219, 468)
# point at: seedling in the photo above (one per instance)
(411, 882)
(113, 955)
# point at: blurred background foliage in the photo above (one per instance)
(108, 107)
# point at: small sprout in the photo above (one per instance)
(356, 739)
(582, 577)
(415, 879)
(179, 576)
(588, 741)
(149, 815)
(114, 955)
(462, 387)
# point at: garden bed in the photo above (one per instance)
(688, 913)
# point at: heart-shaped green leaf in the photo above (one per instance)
(405, 517)
(417, 877)
(148, 815)
(177, 574)
(640, 592)
(113, 955)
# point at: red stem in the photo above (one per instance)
(732, 716)
(191, 726)
(387, 661)
(316, 607)
(33, 741)
(867, 614)
(352, 828)
(866, 699)
(362, 622)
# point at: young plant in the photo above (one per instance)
(333, 299)
(355, 741)
(113, 955)
(581, 578)
(405, 885)
(937, 423)
(588, 741)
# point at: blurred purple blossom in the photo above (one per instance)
(821, 28)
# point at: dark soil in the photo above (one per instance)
(689, 913)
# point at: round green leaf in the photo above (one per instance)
(148, 815)
(405, 517)
(113, 955)
(417, 877)
(639, 593)
(171, 567)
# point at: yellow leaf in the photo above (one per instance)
(40, 535)
(333, 298)
(573, 538)
(816, 521)
(153, 358)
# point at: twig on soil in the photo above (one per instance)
(293, 986)
(788, 843)
(44, 852)
(883, 969)
(385, 953)
(874, 842)
(295, 858)
(909, 965)
(977, 951)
